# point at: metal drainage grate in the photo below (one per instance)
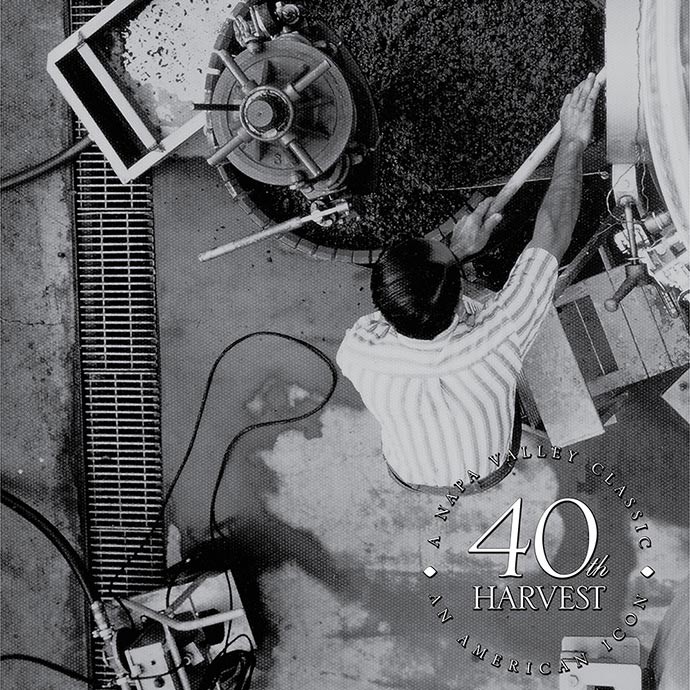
(118, 338)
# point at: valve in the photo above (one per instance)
(288, 13)
(283, 110)
(291, 109)
(635, 272)
(267, 114)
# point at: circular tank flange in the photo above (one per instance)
(320, 118)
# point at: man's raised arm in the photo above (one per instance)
(559, 210)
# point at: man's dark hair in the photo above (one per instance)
(415, 294)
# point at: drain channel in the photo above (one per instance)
(118, 338)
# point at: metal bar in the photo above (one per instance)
(244, 81)
(280, 228)
(177, 659)
(304, 158)
(573, 269)
(226, 149)
(293, 90)
(183, 626)
(123, 105)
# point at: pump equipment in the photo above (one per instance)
(291, 108)
(191, 635)
(288, 106)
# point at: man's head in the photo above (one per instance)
(415, 284)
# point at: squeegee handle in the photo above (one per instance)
(533, 161)
(277, 229)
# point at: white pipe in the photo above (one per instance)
(279, 229)
(182, 626)
(177, 659)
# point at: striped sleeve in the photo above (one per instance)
(528, 293)
(344, 357)
(358, 340)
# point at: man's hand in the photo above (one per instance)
(472, 232)
(578, 110)
(556, 218)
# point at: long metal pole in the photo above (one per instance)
(182, 626)
(279, 229)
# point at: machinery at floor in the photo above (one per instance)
(647, 146)
(285, 105)
(589, 665)
(191, 635)
(291, 108)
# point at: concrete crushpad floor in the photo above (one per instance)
(43, 610)
(327, 550)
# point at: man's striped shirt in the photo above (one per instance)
(445, 405)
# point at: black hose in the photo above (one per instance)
(48, 664)
(46, 166)
(59, 541)
(214, 526)
(108, 589)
